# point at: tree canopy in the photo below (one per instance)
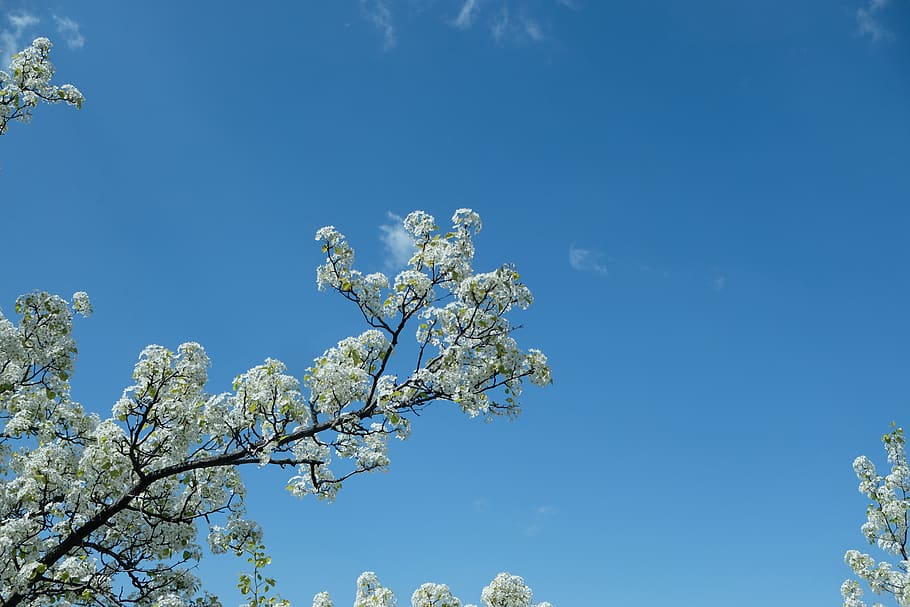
(108, 512)
(886, 526)
(28, 82)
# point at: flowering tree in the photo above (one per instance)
(886, 525)
(28, 82)
(504, 591)
(108, 512)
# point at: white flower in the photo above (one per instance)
(419, 224)
(434, 595)
(323, 599)
(28, 82)
(166, 463)
(370, 593)
(81, 303)
(506, 590)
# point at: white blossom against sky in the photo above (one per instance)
(707, 199)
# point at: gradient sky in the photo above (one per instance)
(709, 200)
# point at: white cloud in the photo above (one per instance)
(398, 244)
(500, 25)
(719, 283)
(869, 23)
(20, 21)
(12, 40)
(533, 31)
(506, 28)
(509, 22)
(536, 525)
(69, 29)
(586, 260)
(466, 15)
(532, 530)
(378, 13)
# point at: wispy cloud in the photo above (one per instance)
(509, 22)
(378, 13)
(532, 30)
(69, 29)
(466, 15)
(505, 27)
(719, 283)
(586, 260)
(12, 38)
(575, 5)
(536, 525)
(20, 21)
(868, 21)
(398, 244)
(500, 24)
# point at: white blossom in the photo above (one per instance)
(28, 82)
(81, 303)
(886, 526)
(434, 595)
(119, 508)
(322, 599)
(506, 590)
(370, 593)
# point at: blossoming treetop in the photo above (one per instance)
(108, 512)
(28, 82)
(886, 525)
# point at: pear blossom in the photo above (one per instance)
(323, 599)
(27, 83)
(505, 590)
(114, 512)
(886, 526)
(434, 595)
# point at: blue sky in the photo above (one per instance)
(709, 200)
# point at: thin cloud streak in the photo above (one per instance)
(536, 525)
(869, 23)
(21, 21)
(506, 28)
(586, 260)
(500, 23)
(507, 21)
(69, 29)
(377, 12)
(466, 15)
(719, 283)
(533, 31)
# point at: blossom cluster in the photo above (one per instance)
(28, 82)
(505, 590)
(110, 512)
(886, 525)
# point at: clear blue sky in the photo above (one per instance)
(709, 200)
